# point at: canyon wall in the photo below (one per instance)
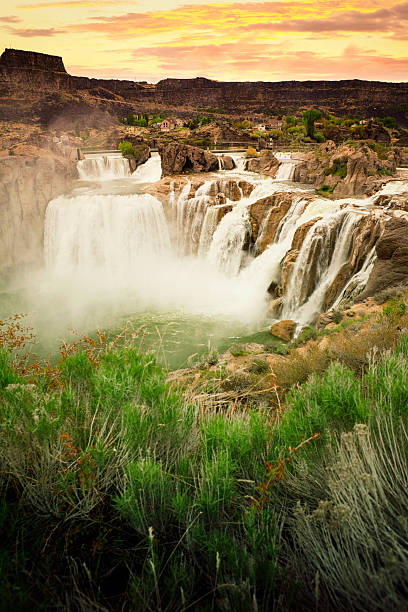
(27, 184)
(28, 74)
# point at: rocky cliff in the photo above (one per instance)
(34, 74)
(27, 183)
(347, 170)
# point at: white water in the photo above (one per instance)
(118, 248)
(150, 172)
(358, 281)
(103, 168)
(304, 305)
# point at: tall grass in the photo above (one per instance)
(120, 493)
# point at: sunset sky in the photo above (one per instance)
(271, 41)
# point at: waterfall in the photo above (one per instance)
(285, 171)
(226, 247)
(286, 166)
(207, 231)
(110, 232)
(150, 171)
(190, 216)
(324, 250)
(358, 281)
(103, 168)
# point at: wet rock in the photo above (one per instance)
(226, 162)
(179, 158)
(285, 330)
(247, 188)
(391, 266)
(275, 308)
(365, 237)
(265, 164)
(266, 215)
(392, 202)
(27, 183)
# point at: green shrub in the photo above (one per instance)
(325, 190)
(259, 366)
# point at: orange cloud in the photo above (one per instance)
(255, 59)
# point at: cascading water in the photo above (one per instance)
(109, 232)
(149, 172)
(225, 251)
(324, 250)
(286, 167)
(358, 281)
(102, 237)
(103, 168)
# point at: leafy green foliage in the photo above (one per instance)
(309, 117)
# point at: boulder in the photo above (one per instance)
(179, 158)
(285, 330)
(265, 164)
(226, 162)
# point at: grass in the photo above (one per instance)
(120, 491)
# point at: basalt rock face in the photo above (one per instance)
(265, 164)
(391, 266)
(181, 159)
(35, 74)
(265, 217)
(27, 184)
(345, 170)
(365, 237)
(15, 58)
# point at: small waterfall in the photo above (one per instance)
(110, 232)
(103, 168)
(358, 281)
(226, 247)
(286, 166)
(285, 171)
(150, 171)
(290, 222)
(190, 216)
(207, 231)
(324, 250)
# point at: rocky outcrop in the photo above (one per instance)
(226, 162)
(346, 170)
(392, 201)
(265, 164)
(15, 58)
(27, 183)
(179, 158)
(140, 154)
(364, 238)
(391, 266)
(266, 215)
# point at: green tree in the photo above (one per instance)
(309, 117)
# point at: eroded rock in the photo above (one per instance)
(285, 330)
(265, 164)
(179, 158)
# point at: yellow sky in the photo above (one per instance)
(225, 40)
